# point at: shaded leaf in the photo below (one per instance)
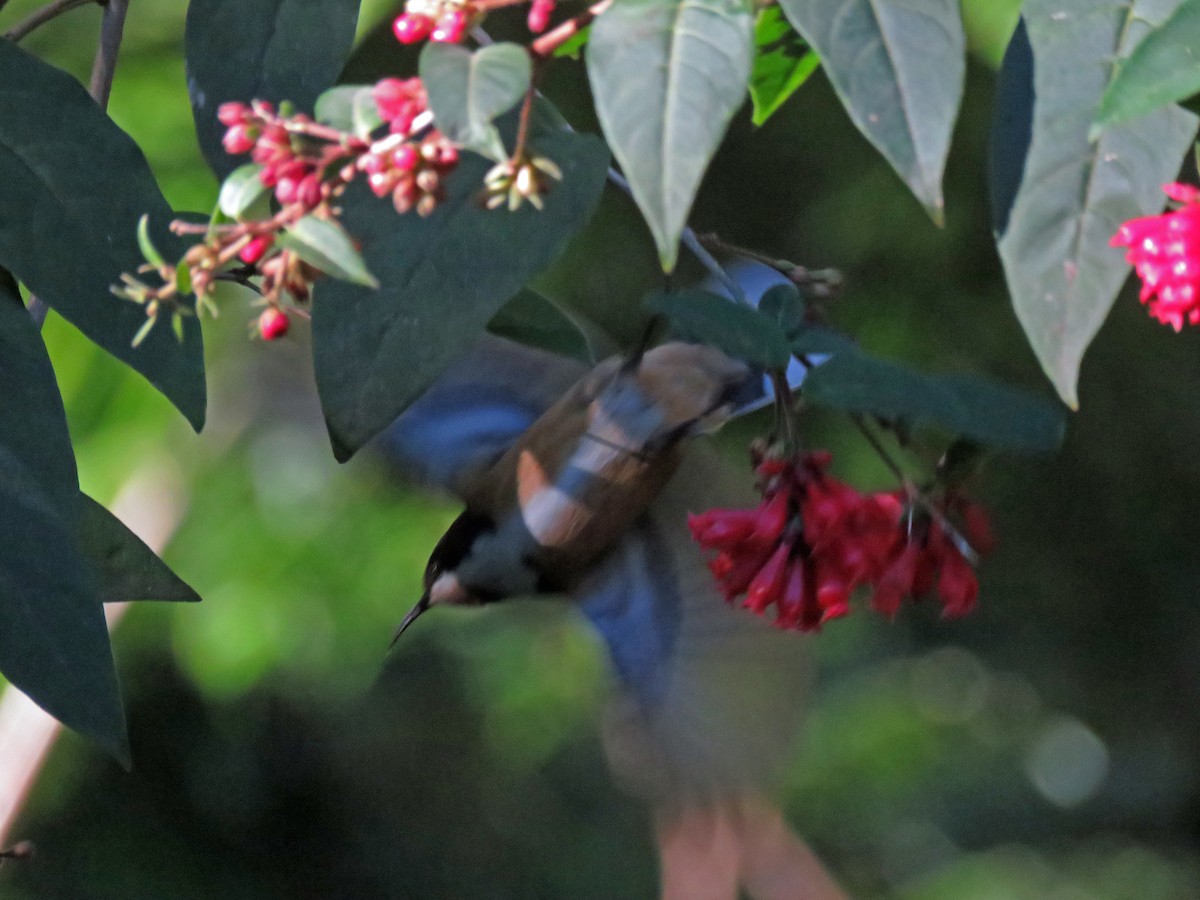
(53, 638)
(667, 76)
(1012, 127)
(33, 424)
(349, 107)
(898, 68)
(531, 319)
(740, 331)
(270, 50)
(125, 568)
(443, 278)
(1075, 193)
(1162, 69)
(241, 190)
(782, 63)
(966, 405)
(784, 306)
(75, 187)
(468, 91)
(324, 243)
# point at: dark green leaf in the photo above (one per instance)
(126, 568)
(740, 331)
(898, 68)
(668, 75)
(468, 91)
(323, 243)
(75, 187)
(33, 424)
(1012, 127)
(443, 279)
(529, 318)
(241, 190)
(784, 306)
(817, 340)
(1075, 193)
(53, 639)
(271, 50)
(349, 107)
(782, 63)
(1164, 67)
(966, 405)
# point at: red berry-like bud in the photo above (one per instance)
(229, 114)
(450, 28)
(273, 323)
(410, 28)
(539, 15)
(308, 192)
(238, 139)
(286, 190)
(255, 250)
(406, 158)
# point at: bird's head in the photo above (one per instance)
(443, 585)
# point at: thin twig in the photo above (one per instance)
(41, 16)
(554, 38)
(112, 29)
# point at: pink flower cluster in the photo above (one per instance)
(813, 540)
(293, 173)
(1165, 253)
(442, 21)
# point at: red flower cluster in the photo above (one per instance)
(294, 174)
(540, 12)
(814, 540)
(401, 102)
(412, 173)
(443, 21)
(1165, 253)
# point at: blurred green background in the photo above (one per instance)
(1045, 747)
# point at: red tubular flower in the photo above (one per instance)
(1165, 253)
(768, 585)
(957, 586)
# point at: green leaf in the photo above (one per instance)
(898, 68)
(531, 319)
(782, 63)
(33, 424)
(1163, 68)
(126, 568)
(573, 46)
(272, 50)
(241, 190)
(1075, 193)
(784, 306)
(75, 187)
(324, 243)
(443, 278)
(53, 638)
(349, 107)
(468, 91)
(966, 405)
(667, 76)
(146, 243)
(740, 331)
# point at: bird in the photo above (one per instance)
(578, 481)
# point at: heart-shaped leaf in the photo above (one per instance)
(469, 91)
(898, 68)
(668, 75)
(442, 279)
(74, 188)
(272, 50)
(1076, 192)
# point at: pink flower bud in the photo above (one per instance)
(410, 28)
(256, 249)
(238, 139)
(273, 323)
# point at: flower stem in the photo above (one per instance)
(41, 16)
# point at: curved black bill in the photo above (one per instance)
(422, 605)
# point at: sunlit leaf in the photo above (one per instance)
(240, 190)
(1076, 192)
(668, 75)
(349, 107)
(323, 243)
(898, 68)
(782, 63)
(1162, 69)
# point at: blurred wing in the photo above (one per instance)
(475, 411)
(711, 696)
